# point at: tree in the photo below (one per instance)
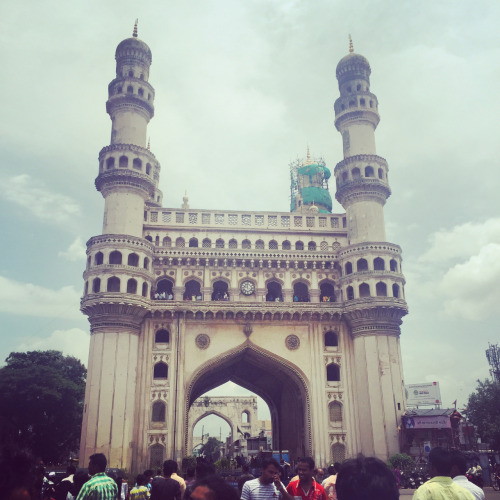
(211, 449)
(41, 401)
(483, 410)
(401, 461)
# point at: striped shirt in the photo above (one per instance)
(99, 487)
(139, 493)
(255, 490)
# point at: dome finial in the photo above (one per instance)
(149, 142)
(185, 201)
(351, 46)
(134, 34)
(308, 154)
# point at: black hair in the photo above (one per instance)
(459, 461)
(331, 470)
(307, 460)
(203, 470)
(99, 461)
(366, 479)
(220, 488)
(270, 461)
(149, 473)
(141, 480)
(440, 460)
(169, 467)
(70, 469)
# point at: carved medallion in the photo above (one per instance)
(202, 341)
(292, 342)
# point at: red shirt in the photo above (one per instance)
(316, 491)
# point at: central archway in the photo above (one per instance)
(279, 383)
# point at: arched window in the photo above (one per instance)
(160, 371)
(379, 264)
(162, 336)
(299, 245)
(233, 243)
(300, 292)
(113, 284)
(219, 243)
(362, 265)
(149, 238)
(245, 417)
(393, 265)
(156, 456)
(331, 339)
(96, 285)
(273, 245)
(206, 243)
(192, 290)
(369, 172)
(131, 286)
(356, 174)
(115, 257)
(146, 263)
(364, 290)
(311, 246)
(327, 292)
(133, 260)
(131, 73)
(395, 290)
(157, 241)
(362, 102)
(350, 293)
(137, 163)
(110, 163)
(167, 242)
(123, 162)
(335, 412)
(193, 243)
(380, 173)
(99, 258)
(345, 176)
(333, 373)
(141, 91)
(246, 244)
(381, 289)
(286, 245)
(158, 412)
(352, 103)
(144, 289)
(130, 89)
(220, 291)
(338, 453)
(324, 246)
(348, 268)
(180, 243)
(164, 290)
(274, 292)
(259, 244)
(148, 168)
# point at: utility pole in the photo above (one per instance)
(493, 357)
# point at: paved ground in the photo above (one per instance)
(489, 493)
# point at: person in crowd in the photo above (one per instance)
(64, 486)
(213, 488)
(190, 477)
(166, 488)
(319, 475)
(329, 483)
(99, 486)
(175, 476)
(441, 486)
(149, 474)
(267, 486)
(306, 487)
(458, 471)
(79, 479)
(245, 476)
(140, 491)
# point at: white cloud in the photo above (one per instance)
(41, 202)
(462, 241)
(43, 302)
(72, 342)
(75, 252)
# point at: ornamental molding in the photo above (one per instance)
(156, 437)
(119, 240)
(108, 181)
(332, 359)
(334, 396)
(132, 148)
(157, 358)
(130, 102)
(369, 247)
(356, 159)
(337, 438)
(292, 342)
(159, 395)
(202, 341)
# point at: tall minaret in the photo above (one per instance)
(372, 282)
(119, 273)
(128, 171)
(362, 184)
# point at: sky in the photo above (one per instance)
(241, 89)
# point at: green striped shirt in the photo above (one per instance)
(99, 487)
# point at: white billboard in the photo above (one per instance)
(423, 394)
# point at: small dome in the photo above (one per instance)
(353, 62)
(313, 169)
(133, 44)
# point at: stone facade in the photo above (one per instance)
(303, 308)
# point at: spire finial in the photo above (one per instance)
(351, 46)
(185, 201)
(308, 154)
(149, 142)
(134, 34)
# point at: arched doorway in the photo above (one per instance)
(280, 384)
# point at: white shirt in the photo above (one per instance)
(465, 483)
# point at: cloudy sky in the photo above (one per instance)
(241, 88)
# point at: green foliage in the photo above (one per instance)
(223, 463)
(41, 397)
(189, 461)
(483, 410)
(211, 449)
(401, 461)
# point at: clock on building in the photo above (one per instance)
(247, 287)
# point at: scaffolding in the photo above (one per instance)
(295, 177)
(493, 357)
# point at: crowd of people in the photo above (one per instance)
(361, 478)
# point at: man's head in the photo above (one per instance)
(97, 463)
(331, 470)
(213, 488)
(305, 469)
(458, 463)
(440, 462)
(169, 467)
(319, 475)
(366, 479)
(270, 470)
(141, 480)
(70, 469)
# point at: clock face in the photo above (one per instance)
(247, 287)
